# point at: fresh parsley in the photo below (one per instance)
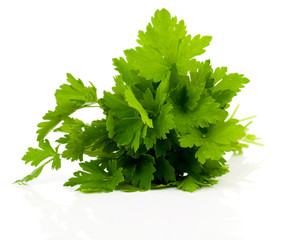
(166, 121)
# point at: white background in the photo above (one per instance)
(40, 41)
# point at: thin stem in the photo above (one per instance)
(248, 124)
(244, 119)
(234, 113)
(252, 142)
(89, 106)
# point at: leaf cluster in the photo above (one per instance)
(166, 118)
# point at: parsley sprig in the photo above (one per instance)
(166, 121)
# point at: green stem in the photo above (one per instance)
(248, 124)
(234, 113)
(244, 119)
(252, 142)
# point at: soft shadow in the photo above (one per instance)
(239, 176)
(161, 214)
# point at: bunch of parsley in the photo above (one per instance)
(166, 120)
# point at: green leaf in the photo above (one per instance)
(69, 98)
(148, 62)
(184, 161)
(200, 77)
(116, 105)
(161, 114)
(163, 123)
(163, 44)
(129, 131)
(205, 113)
(233, 82)
(134, 103)
(164, 171)
(98, 141)
(85, 139)
(162, 146)
(227, 86)
(189, 48)
(223, 97)
(219, 74)
(53, 118)
(37, 156)
(215, 142)
(164, 34)
(124, 123)
(143, 174)
(74, 140)
(190, 184)
(76, 92)
(56, 162)
(215, 168)
(33, 174)
(124, 68)
(186, 98)
(94, 179)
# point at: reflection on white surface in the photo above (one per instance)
(162, 214)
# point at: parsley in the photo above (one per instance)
(166, 119)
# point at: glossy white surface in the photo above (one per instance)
(246, 204)
(41, 41)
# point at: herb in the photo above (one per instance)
(166, 120)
